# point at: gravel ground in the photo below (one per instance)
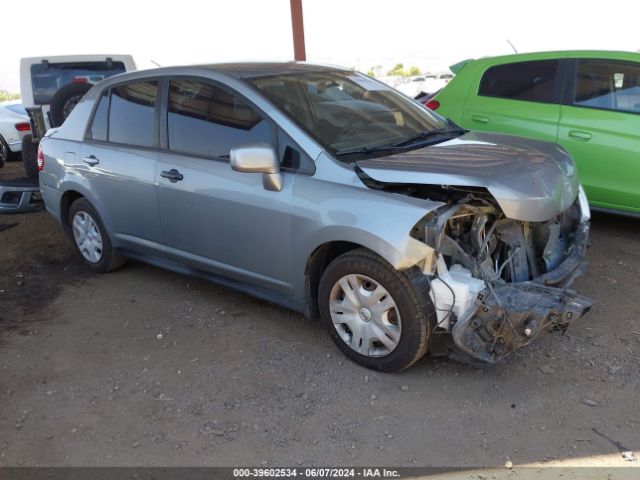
(147, 367)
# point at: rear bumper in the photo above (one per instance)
(509, 316)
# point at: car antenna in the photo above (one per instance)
(509, 42)
(155, 63)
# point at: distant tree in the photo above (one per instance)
(371, 73)
(4, 95)
(398, 70)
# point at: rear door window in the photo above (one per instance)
(48, 78)
(530, 81)
(206, 120)
(608, 85)
(132, 114)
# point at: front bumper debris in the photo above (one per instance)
(509, 316)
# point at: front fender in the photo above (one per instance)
(380, 221)
(401, 251)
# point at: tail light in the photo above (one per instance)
(40, 158)
(23, 127)
(432, 104)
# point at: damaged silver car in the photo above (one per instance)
(330, 193)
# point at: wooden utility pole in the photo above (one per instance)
(297, 24)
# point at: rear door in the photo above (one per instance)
(600, 127)
(118, 161)
(215, 219)
(520, 98)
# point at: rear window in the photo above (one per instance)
(98, 129)
(47, 79)
(529, 81)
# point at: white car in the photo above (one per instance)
(412, 86)
(435, 82)
(14, 124)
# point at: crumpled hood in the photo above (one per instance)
(531, 180)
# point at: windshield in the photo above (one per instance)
(347, 111)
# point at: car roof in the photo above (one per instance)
(263, 69)
(236, 71)
(522, 57)
(606, 54)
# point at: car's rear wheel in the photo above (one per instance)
(91, 239)
(374, 313)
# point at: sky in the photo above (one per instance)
(353, 33)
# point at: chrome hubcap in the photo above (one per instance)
(87, 236)
(365, 315)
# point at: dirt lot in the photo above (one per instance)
(143, 366)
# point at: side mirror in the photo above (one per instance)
(258, 158)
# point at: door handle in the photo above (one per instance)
(90, 160)
(480, 118)
(580, 135)
(173, 175)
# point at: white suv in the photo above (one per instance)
(51, 87)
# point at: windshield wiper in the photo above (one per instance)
(365, 150)
(426, 135)
(407, 143)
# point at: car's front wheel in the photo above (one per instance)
(91, 238)
(374, 313)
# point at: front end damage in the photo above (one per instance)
(499, 283)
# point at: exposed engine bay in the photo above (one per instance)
(498, 283)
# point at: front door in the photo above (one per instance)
(600, 127)
(214, 218)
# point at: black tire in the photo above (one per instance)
(30, 157)
(4, 152)
(408, 291)
(108, 260)
(64, 101)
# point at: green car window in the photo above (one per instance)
(608, 84)
(530, 81)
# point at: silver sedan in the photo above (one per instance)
(328, 192)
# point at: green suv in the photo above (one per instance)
(586, 101)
